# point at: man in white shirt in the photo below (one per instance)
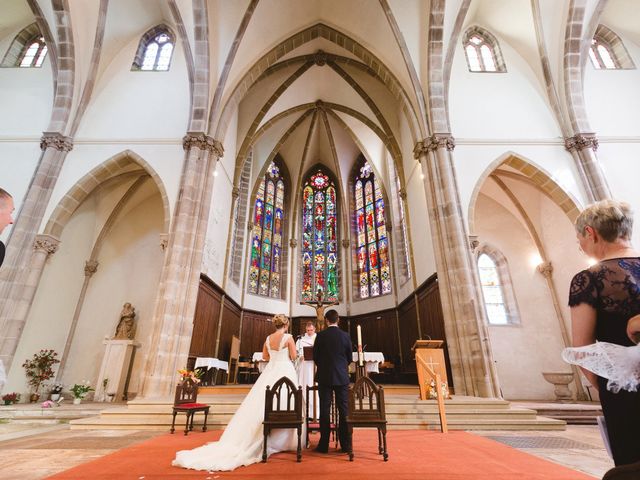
(306, 370)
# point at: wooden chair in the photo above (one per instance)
(366, 409)
(283, 409)
(248, 369)
(186, 402)
(312, 417)
(234, 359)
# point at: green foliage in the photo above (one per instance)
(40, 368)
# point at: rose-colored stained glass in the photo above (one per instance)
(319, 239)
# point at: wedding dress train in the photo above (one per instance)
(242, 440)
(617, 363)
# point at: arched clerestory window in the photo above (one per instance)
(155, 50)
(372, 243)
(482, 51)
(268, 232)
(319, 238)
(497, 289)
(607, 52)
(28, 49)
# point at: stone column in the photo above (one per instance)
(546, 270)
(172, 323)
(467, 335)
(17, 285)
(582, 147)
(90, 267)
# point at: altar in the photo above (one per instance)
(372, 360)
(212, 364)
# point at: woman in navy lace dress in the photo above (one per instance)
(602, 299)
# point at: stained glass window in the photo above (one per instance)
(372, 244)
(266, 241)
(492, 290)
(319, 239)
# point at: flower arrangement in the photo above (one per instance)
(10, 398)
(57, 388)
(47, 404)
(433, 393)
(39, 368)
(193, 375)
(80, 390)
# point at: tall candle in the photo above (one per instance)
(360, 353)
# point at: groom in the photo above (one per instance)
(332, 354)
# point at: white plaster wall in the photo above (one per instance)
(418, 211)
(611, 97)
(138, 104)
(498, 105)
(55, 300)
(129, 271)
(620, 162)
(18, 161)
(26, 99)
(215, 249)
(525, 350)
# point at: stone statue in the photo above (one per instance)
(126, 329)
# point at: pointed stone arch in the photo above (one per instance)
(535, 175)
(319, 30)
(120, 163)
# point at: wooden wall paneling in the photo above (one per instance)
(230, 327)
(256, 327)
(407, 314)
(205, 321)
(379, 333)
(432, 318)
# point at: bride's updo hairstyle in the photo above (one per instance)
(610, 218)
(280, 320)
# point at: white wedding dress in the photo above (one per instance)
(617, 363)
(242, 440)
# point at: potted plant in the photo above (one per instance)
(56, 391)
(10, 398)
(79, 391)
(39, 369)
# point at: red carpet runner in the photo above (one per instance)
(413, 454)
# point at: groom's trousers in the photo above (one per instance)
(342, 403)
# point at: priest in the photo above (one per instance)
(306, 369)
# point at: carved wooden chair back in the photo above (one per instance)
(283, 409)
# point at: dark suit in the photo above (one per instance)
(332, 355)
(1, 253)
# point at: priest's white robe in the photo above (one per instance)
(306, 372)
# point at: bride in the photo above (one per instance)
(242, 440)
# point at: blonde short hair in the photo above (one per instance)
(610, 218)
(280, 320)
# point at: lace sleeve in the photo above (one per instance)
(583, 290)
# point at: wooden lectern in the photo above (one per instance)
(433, 355)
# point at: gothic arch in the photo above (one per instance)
(318, 30)
(118, 164)
(535, 175)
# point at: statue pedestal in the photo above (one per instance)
(116, 363)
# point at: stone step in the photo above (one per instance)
(534, 423)
(463, 413)
(243, 389)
